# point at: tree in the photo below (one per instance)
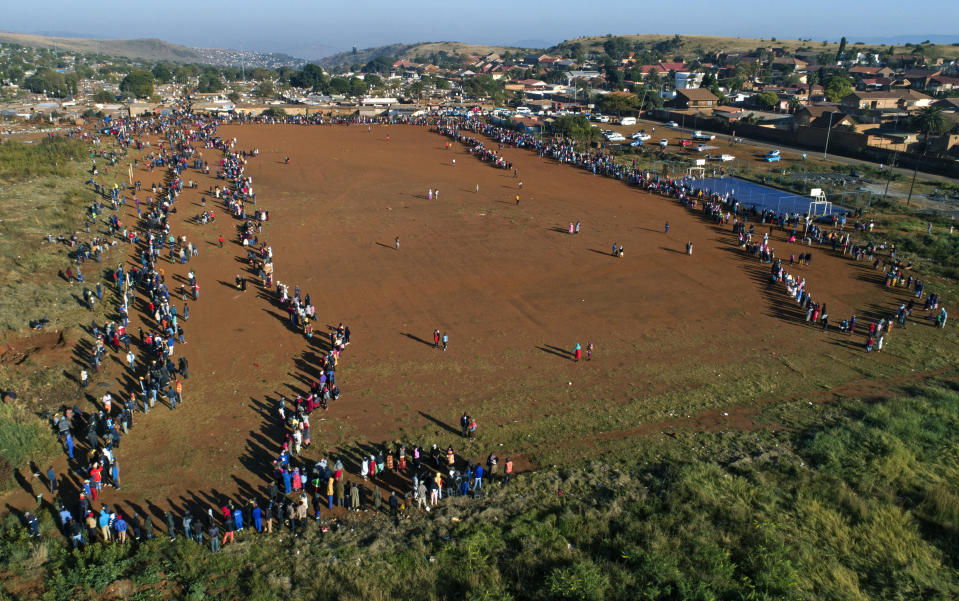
(576, 127)
(619, 103)
(274, 111)
(310, 76)
(210, 82)
(358, 87)
(837, 87)
(138, 83)
(103, 96)
(339, 85)
(767, 100)
(162, 73)
(380, 64)
(234, 96)
(616, 48)
(842, 49)
(265, 90)
(615, 78)
(373, 80)
(931, 122)
(50, 82)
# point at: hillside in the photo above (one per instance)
(149, 49)
(409, 51)
(152, 50)
(690, 43)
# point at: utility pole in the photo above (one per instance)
(889, 179)
(915, 171)
(828, 130)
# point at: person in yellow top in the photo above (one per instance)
(329, 491)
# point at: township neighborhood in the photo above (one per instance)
(867, 102)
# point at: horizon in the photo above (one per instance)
(527, 25)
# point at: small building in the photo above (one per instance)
(899, 100)
(696, 98)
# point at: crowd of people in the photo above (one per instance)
(299, 487)
(720, 209)
(302, 489)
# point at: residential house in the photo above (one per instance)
(865, 71)
(919, 78)
(941, 85)
(729, 113)
(695, 98)
(891, 100)
(812, 112)
(875, 83)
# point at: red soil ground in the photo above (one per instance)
(510, 286)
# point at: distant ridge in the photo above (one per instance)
(151, 49)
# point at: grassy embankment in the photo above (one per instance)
(41, 193)
(857, 501)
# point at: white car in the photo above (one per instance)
(664, 142)
(602, 118)
(672, 124)
(640, 135)
(701, 148)
(636, 143)
(726, 158)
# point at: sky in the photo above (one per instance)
(319, 28)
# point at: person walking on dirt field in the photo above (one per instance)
(396, 243)
(436, 339)
(464, 424)
(446, 340)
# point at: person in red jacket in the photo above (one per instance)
(96, 474)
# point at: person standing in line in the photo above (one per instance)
(229, 527)
(214, 533)
(52, 479)
(84, 378)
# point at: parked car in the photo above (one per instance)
(672, 124)
(726, 158)
(664, 143)
(701, 148)
(640, 135)
(636, 143)
(627, 121)
(698, 135)
(685, 142)
(772, 156)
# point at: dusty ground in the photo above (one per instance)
(512, 289)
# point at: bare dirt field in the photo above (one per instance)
(697, 341)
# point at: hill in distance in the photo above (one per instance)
(409, 51)
(690, 43)
(149, 49)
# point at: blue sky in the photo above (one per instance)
(314, 29)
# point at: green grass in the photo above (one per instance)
(20, 161)
(853, 501)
